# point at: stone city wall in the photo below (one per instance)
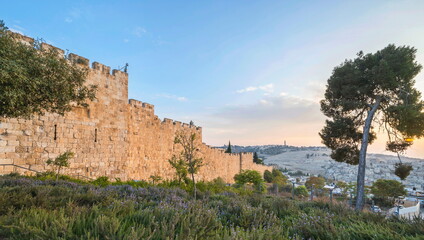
(111, 137)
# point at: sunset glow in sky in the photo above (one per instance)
(252, 72)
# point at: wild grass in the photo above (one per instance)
(42, 208)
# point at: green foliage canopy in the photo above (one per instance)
(276, 176)
(387, 188)
(402, 170)
(60, 161)
(256, 159)
(268, 176)
(189, 158)
(386, 78)
(301, 191)
(318, 182)
(180, 167)
(372, 88)
(35, 80)
(248, 176)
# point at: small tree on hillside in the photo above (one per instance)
(301, 191)
(278, 177)
(189, 154)
(317, 182)
(60, 162)
(373, 88)
(180, 167)
(35, 80)
(268, 177)
(384, 188)
(228, 148)
(343, 186)
(249, 176)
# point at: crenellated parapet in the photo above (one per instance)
(114, 136)
(167, 121)
(72, 57)
(76, 59)
(101, 67)
(142, 107)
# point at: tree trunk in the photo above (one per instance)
(57, 175)
(194, 185)
(360, 194)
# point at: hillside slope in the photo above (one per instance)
(316, 160)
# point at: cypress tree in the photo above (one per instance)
(256, 159)
(228, 148)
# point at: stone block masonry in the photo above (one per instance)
(113, 137)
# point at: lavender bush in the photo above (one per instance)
(31, 208)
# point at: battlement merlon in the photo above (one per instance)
(101, 67)
(167, 121)
(135, 103)
(177, 123)
(47, 47)
(170, 122)
(149, 107)
(30, 41)
(76, 59)
(247, 154)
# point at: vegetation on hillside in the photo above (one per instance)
(41, 208)
(386, 191)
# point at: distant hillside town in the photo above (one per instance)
(316, 160)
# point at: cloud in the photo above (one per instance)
(182, 99)
(270, 120)
(17, 29)
(170, 96)
(126, 40)
(268, 88)
(73, 14)
(248, 89)
(139, 31)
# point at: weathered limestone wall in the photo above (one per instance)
(112, 137)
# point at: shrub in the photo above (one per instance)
(101, 181)
(248, 176)
(47, 209)
(268, 176)
(301, 191)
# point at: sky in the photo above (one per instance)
(252, 72)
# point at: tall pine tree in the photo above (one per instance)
(372, 90)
